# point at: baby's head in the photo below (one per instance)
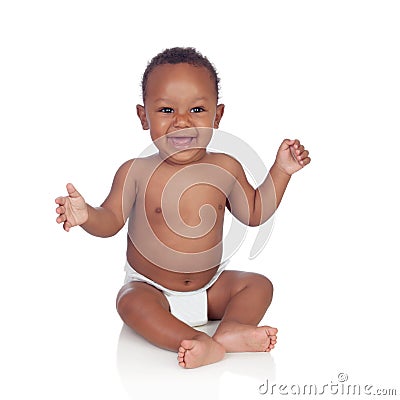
(180, 90)
(180, 55)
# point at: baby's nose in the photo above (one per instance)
(182, 121)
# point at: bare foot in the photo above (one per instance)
(236, 337)
(199, 351)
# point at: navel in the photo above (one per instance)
(220, 207)
(158, 210)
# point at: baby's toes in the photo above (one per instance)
(181, 357)
(270, 347)
(273, 338)
(271, 331)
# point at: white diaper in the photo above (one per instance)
(189, 307)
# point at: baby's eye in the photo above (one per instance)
(197, 109)
(166, 110)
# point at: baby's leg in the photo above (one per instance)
(146, 310)
(240, 300)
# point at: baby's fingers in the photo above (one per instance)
(61, 218)
(296, 143)
(299, 149)
(60, 200)
(302, 155)
(67, 226)
(60, 210)
(304, 160)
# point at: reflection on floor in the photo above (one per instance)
(147, 370)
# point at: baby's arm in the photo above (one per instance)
(103, 221)
(255, 206)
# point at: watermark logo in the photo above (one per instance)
(341, 386)
(195, 168)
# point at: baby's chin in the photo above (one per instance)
(183, 157)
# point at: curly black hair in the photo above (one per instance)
(178, 55)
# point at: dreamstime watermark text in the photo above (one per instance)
(338, 387)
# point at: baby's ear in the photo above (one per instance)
(218, 115)
(141, 113)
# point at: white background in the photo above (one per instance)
(326, 72)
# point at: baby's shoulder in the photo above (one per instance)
(125, 167)
(139, 169)
(136, 164)
(226, 161)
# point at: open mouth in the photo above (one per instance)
(187, 139)
(181, 142)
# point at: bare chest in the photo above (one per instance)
(189, 198)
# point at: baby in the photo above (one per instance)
(175, 201)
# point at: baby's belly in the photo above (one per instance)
(174, 280)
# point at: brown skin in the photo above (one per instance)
(183, 96)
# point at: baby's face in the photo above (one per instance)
(180, 96)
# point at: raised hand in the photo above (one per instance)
(292, 156)
(72, 209)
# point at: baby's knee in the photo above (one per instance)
(125, 300)
(137, 298)
(263, 283)
(128, 299)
